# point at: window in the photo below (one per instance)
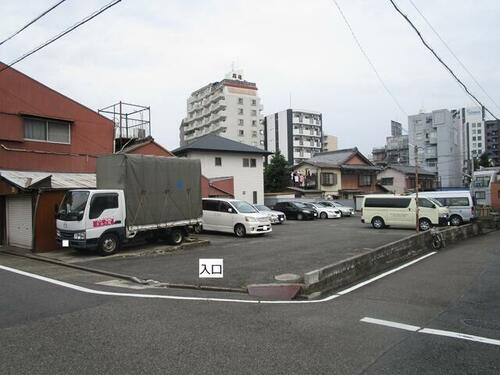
(422, 202)
(479, 145)
(240, 100)
(480, 195)
(482, 181)
(210, 205)
(478, 131)
(225, 207)
(218, 161)
(240, 111)
(254, 134)
(241, 133)
(328, 179)
(388, 181)
(246, 162)
(254, 102)
(460, 201)
(241, 122)
(254, 122)
(254, 112)
(46, 130)
(101, 202)
(388, 202)
(365, 180)
(253, 163)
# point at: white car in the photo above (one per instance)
(325, 212)
(344, 210)
(276, 217)
(234, 216)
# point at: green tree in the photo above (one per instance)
(483, 161)
(277, 174)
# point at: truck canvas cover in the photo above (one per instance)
(157, 189)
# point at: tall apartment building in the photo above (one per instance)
(230, 108)
(330, 143)
(438, 137)
(396, 149)
(492, 134)
(297, 134)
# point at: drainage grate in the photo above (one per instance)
(494, 325)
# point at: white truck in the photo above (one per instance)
(137, 196)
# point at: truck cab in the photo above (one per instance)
(92, 219)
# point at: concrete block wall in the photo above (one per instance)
(349, 271)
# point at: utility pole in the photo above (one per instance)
(416, 189)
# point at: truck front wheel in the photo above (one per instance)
(108, 244)
(176, 236)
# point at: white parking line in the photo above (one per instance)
(186, 298)
(431, 331)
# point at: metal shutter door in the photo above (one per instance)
(19, 222)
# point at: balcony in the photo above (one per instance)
(309, 182)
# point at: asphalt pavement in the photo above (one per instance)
(50, 329)
(294, 247)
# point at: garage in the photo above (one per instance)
(19, 221)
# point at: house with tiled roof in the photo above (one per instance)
(400, 179)
(221, 156)
(338, 174)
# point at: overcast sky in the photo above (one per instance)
(156, 52)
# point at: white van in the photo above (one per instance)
(234, 216)
(400, 211)
(459, 203)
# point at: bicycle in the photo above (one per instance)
(437, 239)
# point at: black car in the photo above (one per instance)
(296, 210)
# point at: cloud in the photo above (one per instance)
(157, 52)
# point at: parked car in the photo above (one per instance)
(296, 210)
(400, 211)
(276, 217)
(344, 210)
(324, 212)
(460, 204)
(234, 216)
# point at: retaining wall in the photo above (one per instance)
(353, 269)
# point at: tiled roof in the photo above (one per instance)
(409, 169)
(212, 142)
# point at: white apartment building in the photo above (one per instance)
(474, 132)
(230, 108)
(438, 137)
(297, 134)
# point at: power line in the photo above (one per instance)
(454, 55)
(439, 58)
(368, 59)
(63, 33)
(32, 22)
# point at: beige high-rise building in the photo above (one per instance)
(330, 143)
(230, 108)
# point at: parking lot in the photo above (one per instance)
(294, 247)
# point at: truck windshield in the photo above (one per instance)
(73, 206)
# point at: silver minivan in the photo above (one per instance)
(459, 203)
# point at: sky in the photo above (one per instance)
(156, 52)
